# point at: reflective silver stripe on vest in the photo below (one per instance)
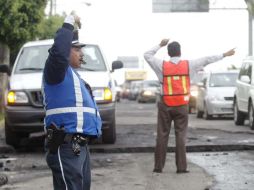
(70, 110)
(79, 102)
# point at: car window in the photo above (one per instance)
(223, 79)
(244, 69)
(32, 59)
(93, 59)
(249, 71)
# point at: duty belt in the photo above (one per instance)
(76, 138)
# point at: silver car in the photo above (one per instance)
(215, 94)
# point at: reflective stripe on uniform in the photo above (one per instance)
(170, 92)
(61, 167)
(71, 110)
(184, 83)
(79, 102)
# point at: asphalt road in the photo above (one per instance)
(130, 167)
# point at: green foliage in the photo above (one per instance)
(19, 21)
(250, 5)
(49, 26)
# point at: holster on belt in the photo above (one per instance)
(55, 137)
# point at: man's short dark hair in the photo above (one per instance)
(174, 49)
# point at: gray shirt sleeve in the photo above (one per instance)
(155, 63)
(194, 65)
(198, 64)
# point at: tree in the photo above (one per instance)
(250, 5)
(48, 27)
(18, 23)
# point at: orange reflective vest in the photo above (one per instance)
(176, 83)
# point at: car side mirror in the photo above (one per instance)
(245, 78)
(5, 69)
(117, 65)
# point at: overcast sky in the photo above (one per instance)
(129, 28)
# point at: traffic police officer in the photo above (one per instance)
(72, 115)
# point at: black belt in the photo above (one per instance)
(76, 137)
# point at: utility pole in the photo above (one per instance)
(52, 7)
(250, 6)
(250, 34)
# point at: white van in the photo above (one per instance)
(24, 113)
(244, 94)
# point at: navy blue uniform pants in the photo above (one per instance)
(70, 172)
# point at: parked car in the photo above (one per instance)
(134, 90)
(148, 91)
(125, 90)
(197, 78)
(119, 91)
(24, 113)
(244, 94)
(215, 94)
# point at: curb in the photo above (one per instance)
(193, 148)
(3, 179)
(6, 149)
(150, 149)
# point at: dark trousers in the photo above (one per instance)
(70, 172)
(179, 115)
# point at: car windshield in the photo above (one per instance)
(93, 59)
(32, 59)
(148, 84)
(223, 79)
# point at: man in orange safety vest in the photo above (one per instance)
(174, 75)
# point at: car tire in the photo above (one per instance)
(251, 116)
(109, 134)
(238, 115)
(199, 114)
(12, 138)
(206, 115)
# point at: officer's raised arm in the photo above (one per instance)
(58, 59)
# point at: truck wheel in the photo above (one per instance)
(238, 116)
(11, 138)
(109, 134)
(251, 116)
(199, 114)
(206, 115)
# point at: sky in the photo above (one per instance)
(129, 28)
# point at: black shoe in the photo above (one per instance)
(157, 170)
(182, 171)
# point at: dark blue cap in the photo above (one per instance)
(75, 40)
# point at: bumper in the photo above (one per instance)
(25, 119)
(220, 108)
(147, 98)
(107, 113)
(30, 119)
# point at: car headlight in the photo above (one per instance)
(103, 94)
(194, 93)
(17, 97)
(147, 93)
